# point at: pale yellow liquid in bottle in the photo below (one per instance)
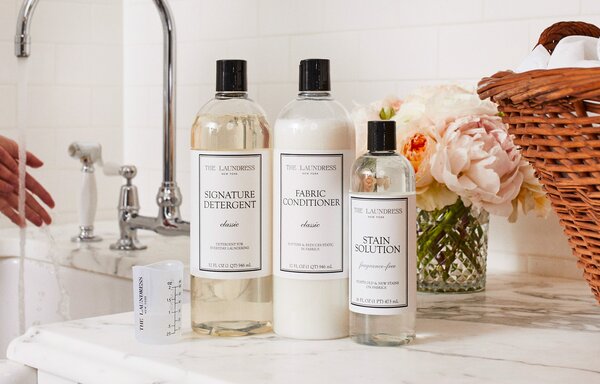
(235, 307)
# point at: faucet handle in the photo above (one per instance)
(129, 207)
(128, 172)
(128, 199)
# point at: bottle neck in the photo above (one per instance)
(324, 95)
(221, 95)
(383, 153)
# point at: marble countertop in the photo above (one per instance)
(523, 329)
(54, 243)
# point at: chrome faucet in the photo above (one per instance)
(168, 221)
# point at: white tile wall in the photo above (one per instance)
(590, 6)
(103, 82)
(518, 9)
(477, 50)
(75, 93)
(377, 48)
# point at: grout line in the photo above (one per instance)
(482, 2)
(374, 29)
(416, 26)
(437, 53)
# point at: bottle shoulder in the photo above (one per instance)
(231, 106)
(230, 124)
(314, 108)
(394, 160)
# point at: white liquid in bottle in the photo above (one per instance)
(313, 152)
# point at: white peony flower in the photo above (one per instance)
(452, 102)
(410, 113)
(531, 196)
(377, 110)
(435, 196)
(431, 109)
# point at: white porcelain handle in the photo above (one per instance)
(88, 200)
(111, 169)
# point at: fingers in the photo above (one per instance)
(37, 189)
(9, 212)
(12, 149)
(33, 216)
(8, 160)
(9, 171)
(13, 216)
(8, 180)
(32, 203)
(33, 211)
(33, 161)
(8, 176)
(30, 183)
(6, 187)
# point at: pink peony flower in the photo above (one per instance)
(477, 159)
(417, 144)
(458, 147)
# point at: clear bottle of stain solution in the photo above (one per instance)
(230, 237)
(382, 295)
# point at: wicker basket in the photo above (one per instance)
(555, 118)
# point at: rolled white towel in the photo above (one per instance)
(570, 52)
(537, 59)
(574, 51)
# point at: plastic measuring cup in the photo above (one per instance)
(157, 293)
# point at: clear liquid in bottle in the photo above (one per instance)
(383, 243)
(231, 128)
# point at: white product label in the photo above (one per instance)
(310, 189)
(230, 233)
(382, 254)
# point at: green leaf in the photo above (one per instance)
(386, 113)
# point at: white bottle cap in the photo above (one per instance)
(157, 294)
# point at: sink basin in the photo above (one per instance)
(94, 280)
(84, 293)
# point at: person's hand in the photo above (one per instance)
(9, 187)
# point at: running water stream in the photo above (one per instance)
(63, 304)
(22, 64)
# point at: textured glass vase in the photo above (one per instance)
(452, 249)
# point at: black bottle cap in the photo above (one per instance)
(381, 136)
(231, 76)
(314, 75)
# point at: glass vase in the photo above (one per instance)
(452, 249)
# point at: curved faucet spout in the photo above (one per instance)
(169, 196)
(22, 39)
(169, 81)
(23, 49)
